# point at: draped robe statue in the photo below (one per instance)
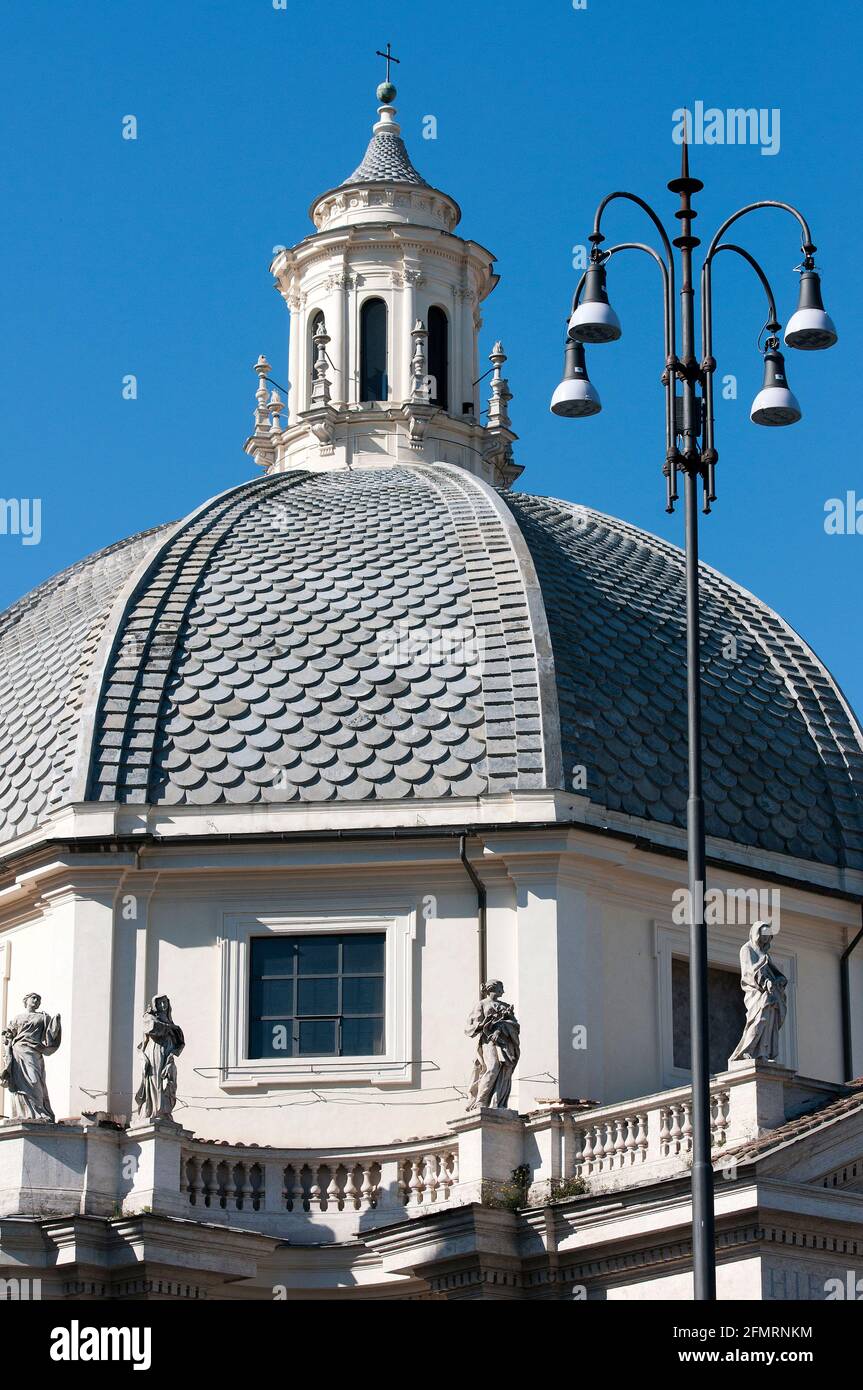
(763, 988)
(162, 1043)
(27, 1041)
(493, 1024)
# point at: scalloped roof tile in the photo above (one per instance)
(386, 160)
(252, 660)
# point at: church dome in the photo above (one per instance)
(411, 633)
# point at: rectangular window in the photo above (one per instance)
(725, 1009)
(317, 996)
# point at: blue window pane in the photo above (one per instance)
(318, 996)
(363, 995)
(373, 351)
(362, 1037)
(363, 955)
(318, 1037)
(272, 998)
(318, 955)
(438, 355)
(272, 955)
(271, 1039)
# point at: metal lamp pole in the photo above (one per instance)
(690, 449)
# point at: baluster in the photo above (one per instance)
(334, 1191)
(242, 1186)
(194, 1183)
(631, 1140)
(586, 1156)
(446, 1177)
(608, 1145)
(314, 1197)
(431, 1177)
(578, 1149)
(641, 1141)
(598, 1146)
(664, 1132)
(208, 1182)
(620, 1126)
(719, 1118)
(676, 1129)
(416, 1183)
(258, 1186)
(687, 1126)
(351, 1191)
(368, 1189)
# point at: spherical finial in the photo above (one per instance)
(386, 93)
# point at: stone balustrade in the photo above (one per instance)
(316, 1196)
(630, 1142)
(216, 1178)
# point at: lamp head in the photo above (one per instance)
(593, 319)
(775, 403)
(576, 396)
(810, 327)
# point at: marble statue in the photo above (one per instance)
(493, 1024)
(162, 1043)
(764, 995)
(27, 1041)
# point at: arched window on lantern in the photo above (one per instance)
(373, 351)
(316, 323)
(438, 356)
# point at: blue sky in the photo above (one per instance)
(151, 256)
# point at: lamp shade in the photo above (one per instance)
(576, 396)
(775, 403)
(810, 327)
(593, 319)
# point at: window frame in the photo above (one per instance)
(373, 298)
(438, 308)
(394, 1066)
(723, 953)
(294, 1020)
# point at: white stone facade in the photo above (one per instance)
(337, 1174)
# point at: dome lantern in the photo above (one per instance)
(384, 255)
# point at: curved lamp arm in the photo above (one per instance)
(807, 245)
(669, 376)
(708, 363)
(669, 339)
(596, 235)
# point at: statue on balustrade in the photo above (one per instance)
(27, 1041)
(763, 988)
(493, 1024)
(162, 1044)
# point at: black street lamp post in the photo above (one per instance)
(690, 449)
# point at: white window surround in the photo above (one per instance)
(395, 1066)
(723, 951)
